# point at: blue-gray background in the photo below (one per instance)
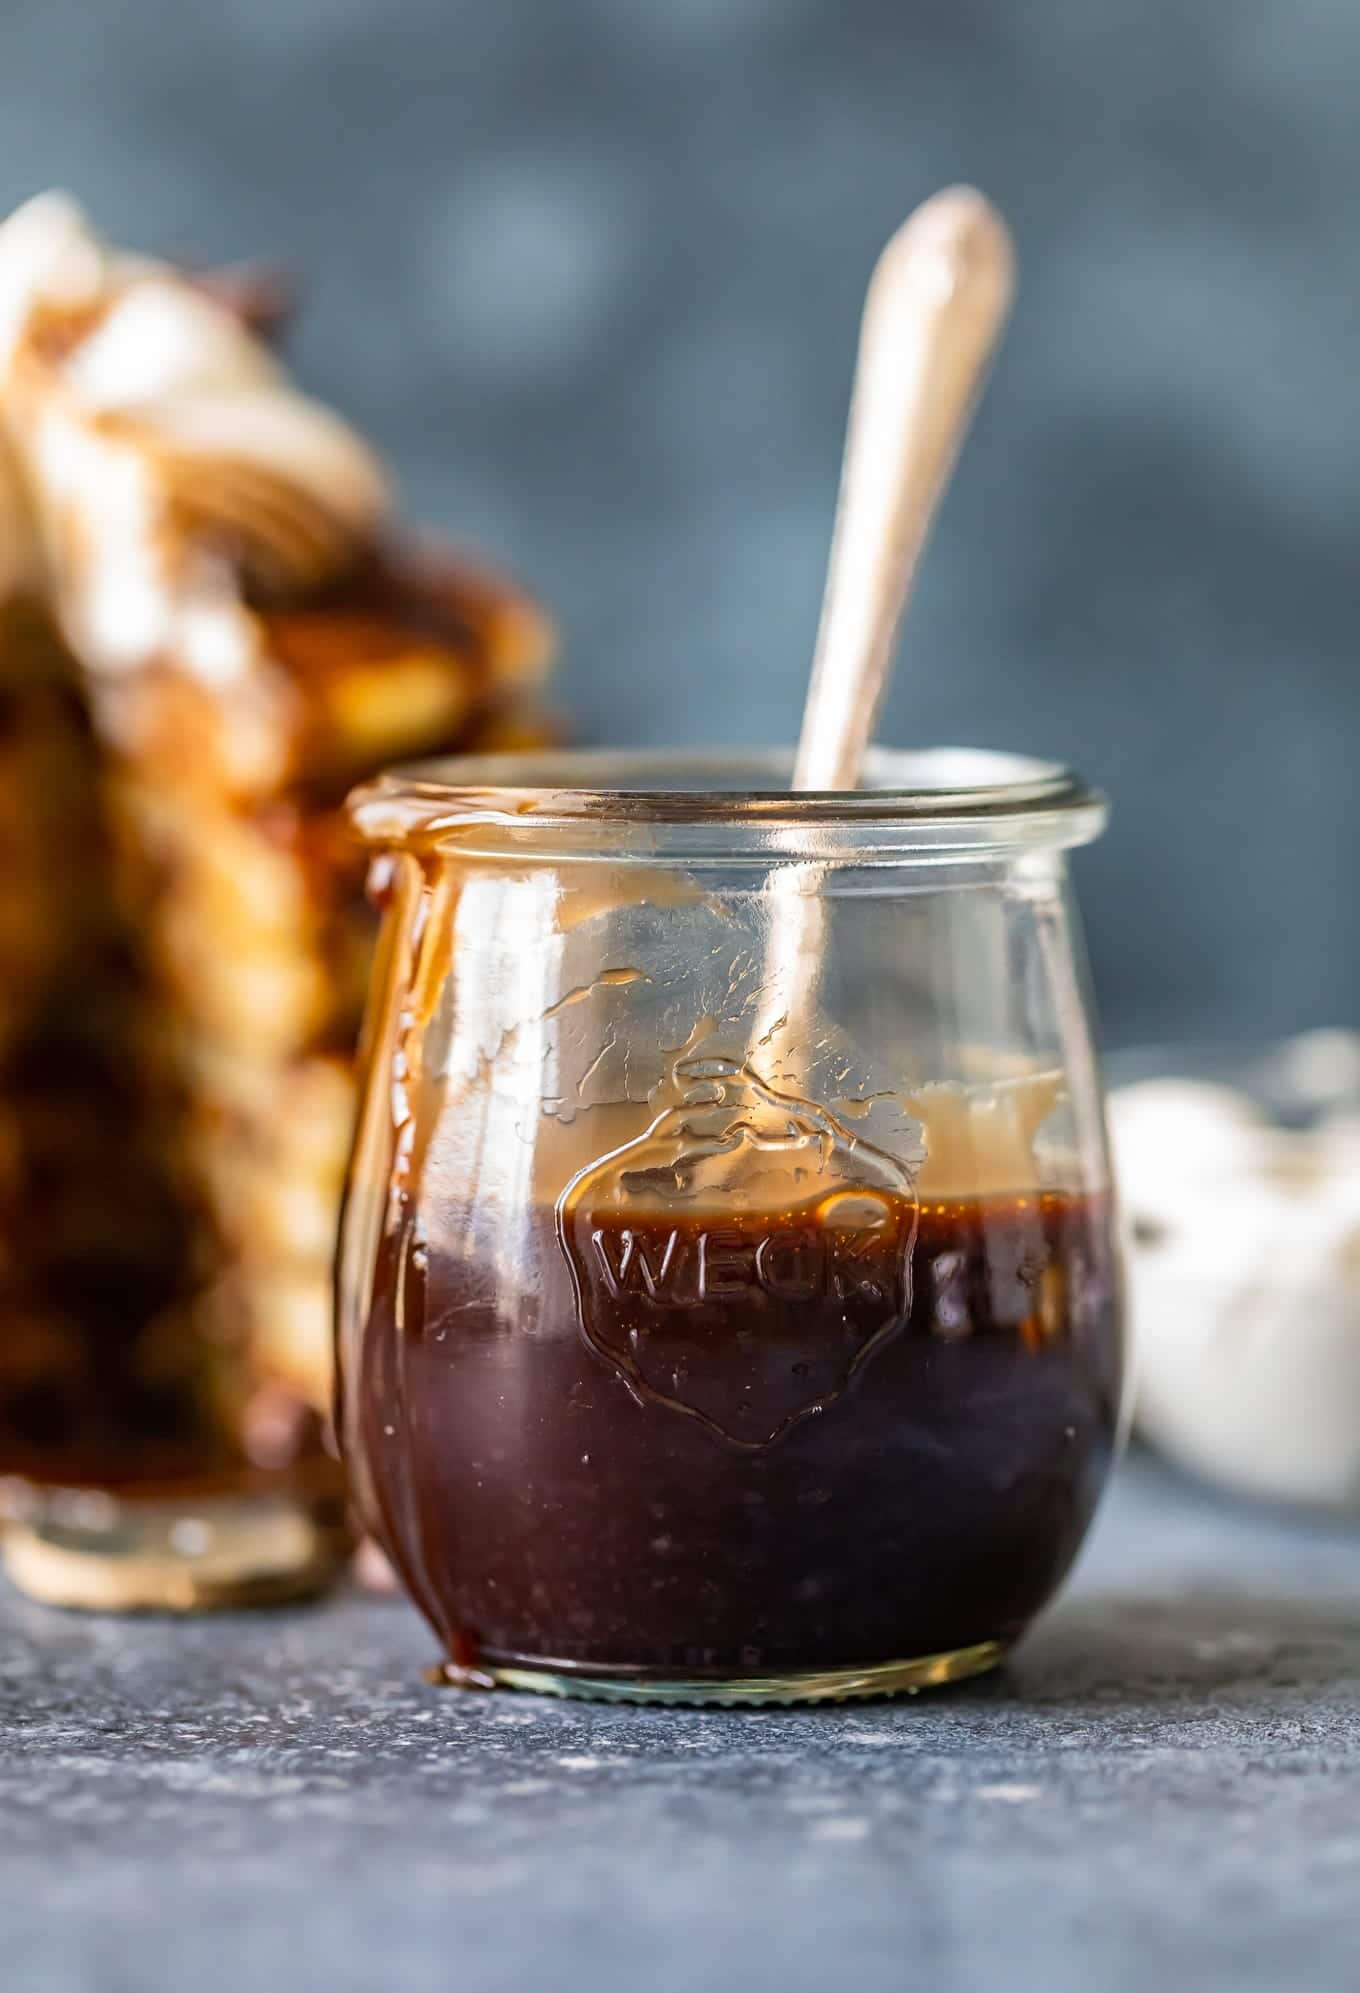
(590, 271)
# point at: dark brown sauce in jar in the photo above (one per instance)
(765, 1444)
(706, 1331)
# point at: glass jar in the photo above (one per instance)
(730, 1302)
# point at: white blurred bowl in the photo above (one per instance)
(1239, 1177)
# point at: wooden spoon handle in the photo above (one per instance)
(936, 303)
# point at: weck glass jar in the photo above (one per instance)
(730, 1303)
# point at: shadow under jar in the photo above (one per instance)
(730, 1303)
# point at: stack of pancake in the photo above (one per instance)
(211, 624)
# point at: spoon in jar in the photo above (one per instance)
(936, 304)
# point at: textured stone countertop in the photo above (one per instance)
(1163, 1789)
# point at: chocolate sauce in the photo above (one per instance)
(661, 1446)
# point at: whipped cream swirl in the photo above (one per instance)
(156, 462)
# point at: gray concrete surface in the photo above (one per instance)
(1164, 1789)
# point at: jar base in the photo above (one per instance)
(881, 1678)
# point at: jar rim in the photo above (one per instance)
(941, 798)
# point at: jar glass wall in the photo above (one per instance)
(729, 1298)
